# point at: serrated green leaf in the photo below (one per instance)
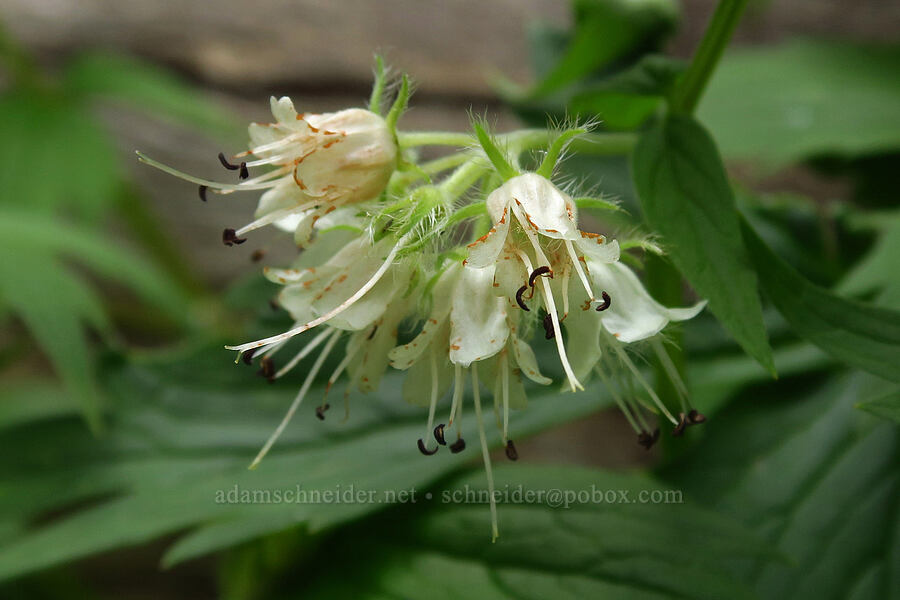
(801, 99)
(813, 476)
(552, 547)
(862, 335)
(184, 429)
(686, 198)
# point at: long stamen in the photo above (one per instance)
(623, 356)
(275, 216)
(431, 407)
(376, 277)
(214, 185)
(576, 262)
(504, 367)
(560, 346)
(300, 395)
(485, 455)
(615, 394)
(565, 293)
(341, 367)
(458, 389)
(671, 372)
(312, 345)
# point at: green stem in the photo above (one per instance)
(686, 96)
(463, 178)
(597, 144)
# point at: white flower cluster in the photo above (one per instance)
(385, 246)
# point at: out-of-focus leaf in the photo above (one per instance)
(27, 400)
(53, 154)
(181, 434)
(627, 99)
(148, 87)
(685, 197)
(886, 406)
(878, 270)
(816, 478)
(23, 232)
(54, 304)
(862, 335)
(551, 545)
(605, 30)
(804, 98)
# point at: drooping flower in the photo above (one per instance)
(599, 345)
(535, 237)
(317, 163)
(469, 329)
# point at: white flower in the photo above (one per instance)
(535, 237)
(468, 329)
(598, 345)
(318, 162)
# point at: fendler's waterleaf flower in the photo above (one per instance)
(316, 163)
(469, 329)
(535, 238)
(598, 346)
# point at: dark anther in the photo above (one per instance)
(458, 446)
(607, 302)
(273, 304)
(519, 300)
(549, 332)
(682, 423)
(439, 435)
(244, 174)
(320, 411)
(425, 450)
(511, 453)
(203, 189)
(227, 164)
(371, 335)
(230, 238)
(696, 417)
(248, 356)
(545, 270)
(646, 439)
(258, 255)
(267, 368)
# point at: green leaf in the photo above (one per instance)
(877, 271)
(686, 198)
(23, 232)
(606, 30)
(148, 87)
(53, 154)
(183, 431)
(803, 99)
(628, 98)
(813, 476)
(53, 304)
(886, 406)
(551, 546)
(862, 335)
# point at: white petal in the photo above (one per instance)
(283, 110)
(372, 359)
(527, 362)
(403, 357)
(478, 327)
(509, 273)
(596, 247)
(484, 251)
(547, 208)
(418, 380)
(633, 314)
(583, 328)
